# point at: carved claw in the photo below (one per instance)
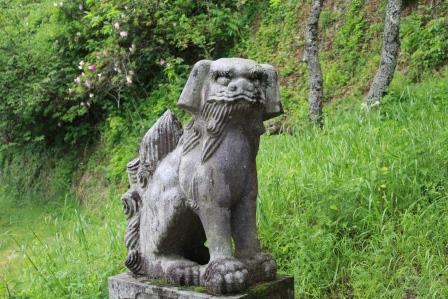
(226, 276)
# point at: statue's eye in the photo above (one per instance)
(258, 77)
(223, 80)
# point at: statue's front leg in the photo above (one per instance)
(224, 273)
(261, 265)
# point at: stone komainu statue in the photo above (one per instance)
(198, 185)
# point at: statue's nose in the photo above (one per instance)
(241, 85)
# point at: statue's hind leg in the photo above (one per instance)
(172, 240)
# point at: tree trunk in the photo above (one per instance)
(389, 54)
(311, 58)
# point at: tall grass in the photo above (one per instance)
(85, 248)
(358, 209)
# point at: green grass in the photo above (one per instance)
(61, 250)
(360, 207)
(357, 209)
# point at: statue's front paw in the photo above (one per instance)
(262, 267)
(224, 276)
(184, 273)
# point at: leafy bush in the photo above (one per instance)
(425, 42)
(65, 65)
(31, 173)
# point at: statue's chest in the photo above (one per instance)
(232, 161)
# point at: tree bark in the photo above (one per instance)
(389, 54)
(311, 58)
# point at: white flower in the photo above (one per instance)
(131, 72)
(117, 25)
(129, 79)
(81, 7)
(88, 84)
(77, 80)
(132, 48)
(99, 75)
(91, 95)
(81, 63)
(123, 33)
(82, 104)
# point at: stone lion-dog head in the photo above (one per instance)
(227, 89)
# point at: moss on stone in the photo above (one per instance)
(159, 282)
(259, 290)
(199, 289)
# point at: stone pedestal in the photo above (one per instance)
(129, 286)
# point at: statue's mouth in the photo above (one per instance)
(229, 98)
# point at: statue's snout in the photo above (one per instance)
(241, 85)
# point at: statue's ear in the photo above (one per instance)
(273, 106)
(191, 97)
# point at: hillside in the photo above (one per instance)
(355, 210)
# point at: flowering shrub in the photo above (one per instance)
(66, 65)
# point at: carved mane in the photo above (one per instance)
(216, 116)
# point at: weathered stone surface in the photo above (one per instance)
(129, 286)
(198, 184)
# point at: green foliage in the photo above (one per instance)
(33, 71)
(425, 42)
(66, 65)
(123, 132)
(32, 173)
(327, 18)
(351, 37)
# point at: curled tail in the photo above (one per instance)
(161, 139)
(158, 142)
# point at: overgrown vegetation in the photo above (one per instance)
(66, 65)
(357, 209)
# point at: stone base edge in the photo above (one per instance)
(129, 286)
